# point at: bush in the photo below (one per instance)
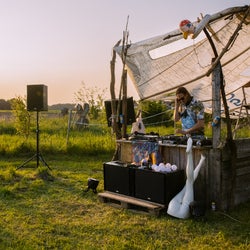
(156, 113)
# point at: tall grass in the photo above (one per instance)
(55, 138)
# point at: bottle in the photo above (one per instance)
(149, 163)
(213, 206)
(154, 159)
(215, 121)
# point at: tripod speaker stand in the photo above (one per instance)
(37, 155)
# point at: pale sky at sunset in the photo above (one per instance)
(62, 43)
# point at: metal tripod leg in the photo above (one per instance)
(37, 156)
(43, 161)
(27, 161)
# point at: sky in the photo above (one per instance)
(64, 43)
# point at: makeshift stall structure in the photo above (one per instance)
(215, 68)
(215, 182)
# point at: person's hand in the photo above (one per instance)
(180, 131)
(177, 103)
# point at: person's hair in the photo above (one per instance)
(182, 90)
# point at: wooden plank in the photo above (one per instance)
(243, 171)
(242, 182)
(200, 183)
(243, 148)
(174, 157)
(165, 153)
(214, 181)
(131, 200)
(128, 202)
(126, 151)
(207, 177)
(242, 195)
(174, 154)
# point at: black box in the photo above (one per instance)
(158, 187)
(118, 178)
(130, 111)
(37, 97)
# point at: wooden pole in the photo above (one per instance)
(230, 146)
(220, 83)
(115, 126)
(124, 81)
(216, 105)
(69, 125)
(124, 103)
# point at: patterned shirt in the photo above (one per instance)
(193, 112)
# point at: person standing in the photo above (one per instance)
(191, 113)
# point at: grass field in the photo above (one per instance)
(43, 209)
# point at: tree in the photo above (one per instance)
(94, 96)
(22, 116)
(5, 105)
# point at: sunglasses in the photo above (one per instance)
(181, 99)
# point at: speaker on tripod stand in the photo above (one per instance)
(37, 100)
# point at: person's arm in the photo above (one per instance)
(200, 124)
(176, 111)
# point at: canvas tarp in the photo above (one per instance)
(156, 73)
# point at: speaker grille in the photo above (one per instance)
(37, 97)
(118, 178)
(158, 187)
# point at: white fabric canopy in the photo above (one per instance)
(157, 72)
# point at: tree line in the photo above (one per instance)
(5, 105)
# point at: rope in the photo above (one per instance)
(148, 117)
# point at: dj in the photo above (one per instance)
(191, 113)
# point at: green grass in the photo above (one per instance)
(43, 209)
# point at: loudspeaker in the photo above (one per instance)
(158, 187)
(130, 111)
(37, 99)
(118, 178)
